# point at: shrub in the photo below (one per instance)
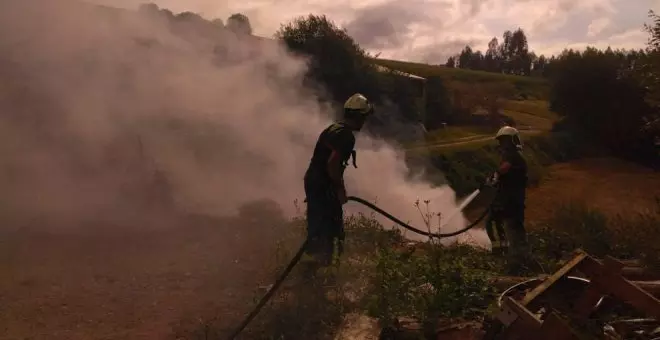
(442, 282)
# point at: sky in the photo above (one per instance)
(432, 30)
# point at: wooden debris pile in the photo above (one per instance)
(587, 298)
(562, 306)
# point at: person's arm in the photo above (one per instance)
(504, 168)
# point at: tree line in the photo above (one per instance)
(512, 56)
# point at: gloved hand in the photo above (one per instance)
(492, 179)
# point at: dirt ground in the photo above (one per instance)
(613, 186)
(129, 284)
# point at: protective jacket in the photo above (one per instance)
(336, 138)
(511, 184)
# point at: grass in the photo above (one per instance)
(430, 281)
(450, 134)
(576, 224)
(525, 87)
(537, 108)
(531, 117)
(466, 165)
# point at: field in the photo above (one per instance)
(612, 186)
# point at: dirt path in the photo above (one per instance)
(464, 141)
(127, 284)
(611, 185)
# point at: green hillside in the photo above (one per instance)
(525, 87)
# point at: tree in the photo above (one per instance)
(539, 65)
(598, 96)
(517, 54)
(451, 62)
(465, 57)
(492, 58)
(189, 16)
(218, 22)
(149, 8)
(476, 61)
(239, 24)
(650, 72)
(337, 61)
(505, 52)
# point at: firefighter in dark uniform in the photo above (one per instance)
(508, 209)
(324, 183)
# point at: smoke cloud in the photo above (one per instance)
(101, 106)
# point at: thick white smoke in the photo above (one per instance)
(93, 94)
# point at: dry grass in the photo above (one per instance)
(612, 186)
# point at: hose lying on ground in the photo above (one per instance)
(413, 229)
(271, 291)
(300, 252)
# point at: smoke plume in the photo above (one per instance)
(97, 101)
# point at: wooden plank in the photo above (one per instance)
(554, 328)
(524, 326)
(523, 313)
(620, 288)
(568, 267)
(586, 303)
(502, 283)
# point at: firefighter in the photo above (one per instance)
(324, 183)
(508, 207)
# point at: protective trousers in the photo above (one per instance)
(510, 210)
(496, 232)
(325, 223)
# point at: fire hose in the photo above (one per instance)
(296, 258)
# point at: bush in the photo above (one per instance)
(442, 282)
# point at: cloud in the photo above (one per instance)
(432, 30)
(386, 25)
(597, 26)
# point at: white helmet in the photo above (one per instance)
(358, 103)
(510, 132)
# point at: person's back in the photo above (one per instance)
(335, 138)
(513, 183)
